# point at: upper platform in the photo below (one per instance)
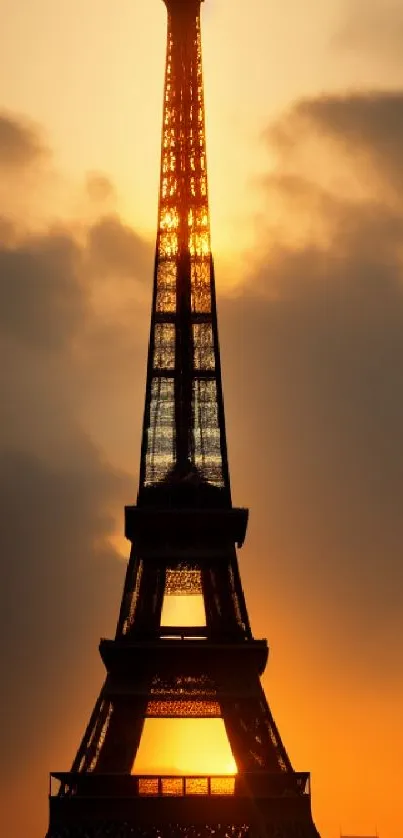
(151, 528)
(122, 657)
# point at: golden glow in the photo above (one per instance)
(168, 244)
(170, 220)
(119, 543)
(199, 244)
(184, 746)
(183, 611)
(174, 786)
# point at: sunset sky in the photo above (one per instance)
(305, 156)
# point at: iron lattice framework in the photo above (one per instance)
(184, 532)
(184, 417)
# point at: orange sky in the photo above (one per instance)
(305, 137)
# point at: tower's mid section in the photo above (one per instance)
(184, 534)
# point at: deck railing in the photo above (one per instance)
(257, 784)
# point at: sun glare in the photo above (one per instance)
(184, 746)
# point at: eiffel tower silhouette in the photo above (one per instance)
(184, 533)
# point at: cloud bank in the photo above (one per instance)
(312, 351)
(61, 498)
(21, 143)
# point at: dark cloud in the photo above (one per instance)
(44, 278)
(116, 248)
(321, 366)
(56, 564)
(61, 500)
(41, 302)
(20, 143)
(319, 355)
(368, 127)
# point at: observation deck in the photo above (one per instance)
(201, 799)
(123, 656)
(153, 529)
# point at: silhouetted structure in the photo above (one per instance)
(184, 532)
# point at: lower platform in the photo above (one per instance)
(122, 806)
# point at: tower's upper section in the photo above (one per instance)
(184, 447)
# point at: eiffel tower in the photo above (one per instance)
(184, 532)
